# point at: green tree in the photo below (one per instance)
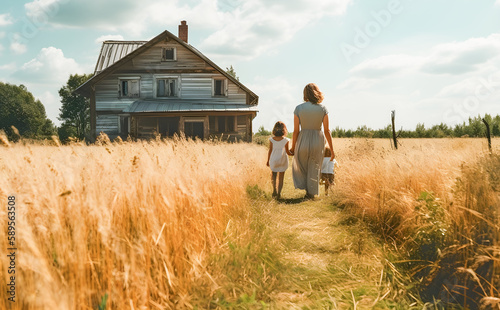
(263, 132)
(460, 130)
(232, 73)
(386, 132)
(476, 127)
(495, 127)
(75, 109)
(19, 108)
(363, 132)
(420, 130)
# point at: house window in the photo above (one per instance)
(225, 124)
(129, 88)
(166, 87)
(169, 54)
(220, 87)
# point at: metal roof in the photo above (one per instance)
(179, 105)
(112, 51)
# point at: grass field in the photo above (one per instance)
(183, 224)
(127, 225)
(437, 203)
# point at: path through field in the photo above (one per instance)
(332, 261)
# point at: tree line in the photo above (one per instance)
(474, 127)
(23, 115)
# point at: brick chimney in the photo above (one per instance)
(183, 31)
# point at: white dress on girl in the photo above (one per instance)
(278, 162)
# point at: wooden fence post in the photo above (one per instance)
(394, 137)
(488, 135)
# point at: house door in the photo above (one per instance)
(193, 129)
(168, 126)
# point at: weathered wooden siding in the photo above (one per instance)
(192, 85)
(195, 81)
(152, 58)
(148, 66)
(108, 124)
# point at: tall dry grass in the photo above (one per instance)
(129, 225)
(437, 202)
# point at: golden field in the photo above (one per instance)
(436, 203)
(133, 225)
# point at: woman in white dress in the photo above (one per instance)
(277, 158)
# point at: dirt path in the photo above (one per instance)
(331, 261)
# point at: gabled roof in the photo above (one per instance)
(142, 46)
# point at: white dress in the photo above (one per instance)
(278, 162)
(328, 165)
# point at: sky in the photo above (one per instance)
(431, 61)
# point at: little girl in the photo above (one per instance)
(327, 169)
(277, 158)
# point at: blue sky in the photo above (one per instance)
(431, 61)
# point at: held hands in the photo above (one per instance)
(332, 157)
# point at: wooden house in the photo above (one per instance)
(166, 86)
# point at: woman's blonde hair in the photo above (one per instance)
(279, 129)
(313, 94)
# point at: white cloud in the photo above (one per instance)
(6, 19)
(16, 44)
(18, 48)
(49, 66)
(109, 37)
(357, 83)
(239, 28)
(459, 89)
(8, 67)
(385, 66)
(461, 57)
(497, 3)
(275, 105)
(131, 16)
(454, 81)
(479, 86)
(51, 102)
(2, 34)
(258, 26)
(473, 56)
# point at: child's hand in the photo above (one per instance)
(267, 164)
(333, 156)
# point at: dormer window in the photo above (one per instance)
(169, 54)
(219, 87)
